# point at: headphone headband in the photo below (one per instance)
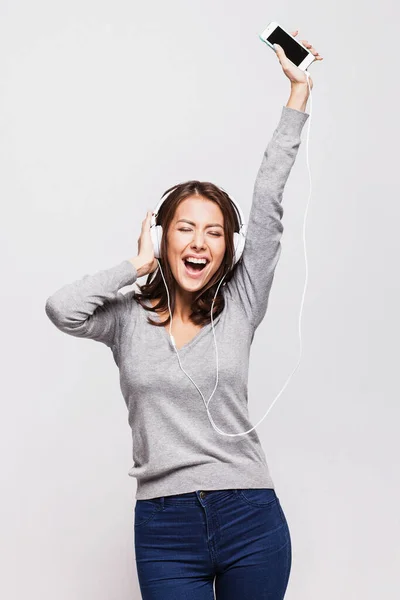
(235, 204)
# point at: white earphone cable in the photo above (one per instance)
(212, 306)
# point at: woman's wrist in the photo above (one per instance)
(299, 95)
(138, 264)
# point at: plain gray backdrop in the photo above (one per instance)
(103, 107)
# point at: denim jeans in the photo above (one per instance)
(239, 537)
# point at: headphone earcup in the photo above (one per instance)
(238, 242)
(156, 237)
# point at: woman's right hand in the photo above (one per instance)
(145, 262)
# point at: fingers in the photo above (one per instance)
(307, 45)
(146, 220)
(311, 48)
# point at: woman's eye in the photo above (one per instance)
(212, 232)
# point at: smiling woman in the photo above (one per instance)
(185, 472)
(199, 220)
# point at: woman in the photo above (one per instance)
(205, 503)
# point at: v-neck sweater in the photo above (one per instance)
(175, 448)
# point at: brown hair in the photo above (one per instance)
(155, 287)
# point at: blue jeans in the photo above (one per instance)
(239, 537)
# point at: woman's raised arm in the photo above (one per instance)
(252, 280)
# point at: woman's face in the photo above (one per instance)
(197, 230)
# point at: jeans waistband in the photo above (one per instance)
(205, 497)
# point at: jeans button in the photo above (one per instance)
(202, 494)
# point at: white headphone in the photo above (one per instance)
(239, 238)
(239, 242)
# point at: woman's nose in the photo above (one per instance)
(198, 240)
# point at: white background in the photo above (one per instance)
(103, 106)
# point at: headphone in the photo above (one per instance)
(239, 237)
(156, 232)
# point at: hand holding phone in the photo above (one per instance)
(294, 56)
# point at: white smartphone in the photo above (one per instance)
(294, 50)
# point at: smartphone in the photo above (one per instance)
(294, 50)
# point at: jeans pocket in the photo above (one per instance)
(145, 511)
(259, 497)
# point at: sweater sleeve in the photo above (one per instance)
(251, 282)
(92, 307)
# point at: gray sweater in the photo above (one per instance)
(175, 447)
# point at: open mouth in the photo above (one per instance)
(194, 269)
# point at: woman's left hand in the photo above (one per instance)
(296, 75)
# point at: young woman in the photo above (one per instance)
(206, 507)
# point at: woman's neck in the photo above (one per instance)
(182, 307)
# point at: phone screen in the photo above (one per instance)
(292, 49)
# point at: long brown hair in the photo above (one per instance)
(155, 288)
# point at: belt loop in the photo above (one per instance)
(162, 502)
